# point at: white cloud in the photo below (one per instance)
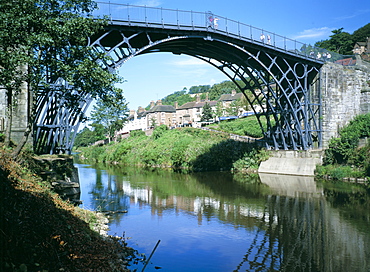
(189, 62)
(353, 15)
(314, 33)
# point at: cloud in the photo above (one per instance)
(353, 15)
(189, 62)
(314, 33)
(148, 3)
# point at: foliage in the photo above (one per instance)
(199, 89)
(185, 148)
(251, 160)
(219, 89)
(137, 133)
(158, 131)
(340, 42)
(50, 38)
(207, 113)
(181, 97)
(343, 148)
(248, 126)
(344, 151)
(361, 34)
(111, 113)
(87, 137)
(338, 172)
(54, 234)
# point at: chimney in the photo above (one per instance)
(159, 102)
(233, 92)
(207, 98)
(198, 98)
(176, 105)
(140, 109)
(151, 104)
(132, 112)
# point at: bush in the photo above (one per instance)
(137, 133)
(158, 131)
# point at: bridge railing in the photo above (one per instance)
(207, 21)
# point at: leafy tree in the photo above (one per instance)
(219, 109)
(111, 113)
(361, 34)
(340, 42)
(181, 97)
(88, 136)
(199, 89)
(219, 89)
(207, 113)
(43, 40)
(233, 109)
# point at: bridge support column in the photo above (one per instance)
(290, 162)
(21, 113)
(346, 93)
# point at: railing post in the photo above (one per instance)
(239, 29)
(192, 19)
(285, 43)
(162, 17)
(177, 15)
(128, 15)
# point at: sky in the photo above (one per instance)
(154, 76)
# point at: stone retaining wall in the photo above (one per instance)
(345, 94)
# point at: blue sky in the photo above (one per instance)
(153, 76)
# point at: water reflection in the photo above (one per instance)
(212, 222)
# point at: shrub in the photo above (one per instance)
(158, 131)
(137, 133)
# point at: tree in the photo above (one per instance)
(111, 113)
(219, 109)
(43, 40)
(88, 136)
(361, 34)
(340, 42)
(233, 109)
(207, 113)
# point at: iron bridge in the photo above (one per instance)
(278, 77)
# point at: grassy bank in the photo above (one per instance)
(184, 148)
(41, 232)
(346, 156)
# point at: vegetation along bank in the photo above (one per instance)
(189, 149)
(41, 232)
(348, 155)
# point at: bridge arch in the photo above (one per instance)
(279, 81)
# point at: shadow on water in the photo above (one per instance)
(286, 223)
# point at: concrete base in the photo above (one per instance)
(291, 163)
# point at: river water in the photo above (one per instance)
(215, 221)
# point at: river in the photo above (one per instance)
(215, 222)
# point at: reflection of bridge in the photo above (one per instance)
(279, 73)
(293, 234)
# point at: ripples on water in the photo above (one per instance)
(213, 222)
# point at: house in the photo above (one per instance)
(362, 47)
(159, 114)
(191, 112)
(227, 100)
(135, 121)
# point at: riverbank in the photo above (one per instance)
(187, 149)
(41, 232)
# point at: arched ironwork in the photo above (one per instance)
(277, 81)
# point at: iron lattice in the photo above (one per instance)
(281, 84)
